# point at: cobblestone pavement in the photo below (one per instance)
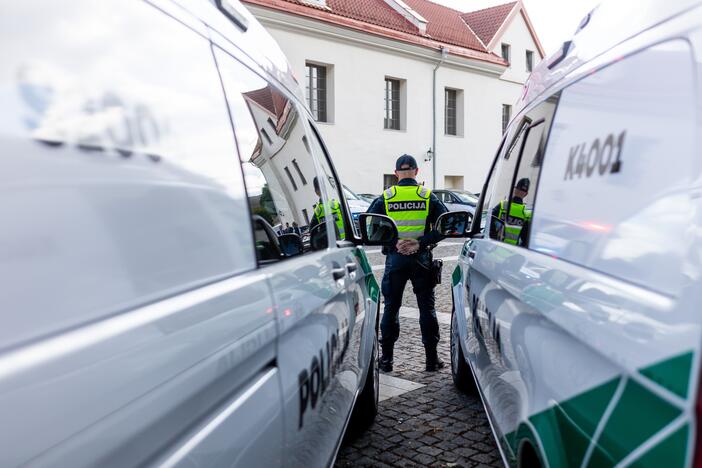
(435, 425)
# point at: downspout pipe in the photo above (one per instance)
(444, 55)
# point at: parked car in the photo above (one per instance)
(457, 200)
(151, 315)
(583, 336)
(357, 205)
(369, 197)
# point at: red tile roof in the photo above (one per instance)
(445, 24)
(368, 11)
(270, 99)
(459, 31)
(486, 22)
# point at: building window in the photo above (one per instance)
(307, 217)
(392, 104)
(265, 135)
(292, 181)
(505, 52)
(389, 180)
(529, 61)
(506, 115)
(299, 172)
(451, 103)
(316, 89)
(452, 182)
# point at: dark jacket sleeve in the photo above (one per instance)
(436, 208)
(377, 207)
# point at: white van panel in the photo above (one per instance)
(613, 190)
(119, 176)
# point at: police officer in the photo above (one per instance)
(333, 209)
(512, 228)
(414, 209)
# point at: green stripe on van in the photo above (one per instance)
(672, 374)
(456, 275)
(670, 452)
(566, 430)
(639, 414)
(371, 283)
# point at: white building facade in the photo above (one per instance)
(369, 82)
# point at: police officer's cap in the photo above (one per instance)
(522, 184)
(405, 163)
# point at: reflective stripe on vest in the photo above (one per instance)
(518, 215)
(320, 214)
(408, 206)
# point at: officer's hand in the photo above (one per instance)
(407, 246)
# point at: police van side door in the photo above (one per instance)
(359, 282)
(309, 289)
(492, 292)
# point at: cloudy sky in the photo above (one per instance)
(555, 20)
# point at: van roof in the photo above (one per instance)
(252, 39)
(607, 25)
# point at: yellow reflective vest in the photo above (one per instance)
(519, 215)
(335, 209)
(408, 206)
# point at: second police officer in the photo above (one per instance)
(512, 228)
(414, 209)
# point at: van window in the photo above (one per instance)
(501, 186)
(332, 210)
(279, 200)
(614, 186)
(524, 190)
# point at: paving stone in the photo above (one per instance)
(435, 424)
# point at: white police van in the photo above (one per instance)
(583, 338)
(151, 315)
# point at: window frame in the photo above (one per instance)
(447, 109)
(529, 60)
(313, 94)
(391, 109)
(505, 47)
(505, 122)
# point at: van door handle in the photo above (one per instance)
(471, 253)
(351, 267)
(338, 273)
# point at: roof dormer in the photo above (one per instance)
(409, 14)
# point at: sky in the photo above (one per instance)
(555, 21)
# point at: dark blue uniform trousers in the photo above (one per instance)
(399, 269)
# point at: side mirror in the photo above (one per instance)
(290, 244)
(377, 229)
(454, 223)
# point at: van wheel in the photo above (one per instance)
(528, 458)
(366, 407)
(462, 375)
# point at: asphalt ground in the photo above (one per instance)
(423, 420)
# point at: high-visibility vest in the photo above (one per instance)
(514, 223)
(408, 206)
(335, 209)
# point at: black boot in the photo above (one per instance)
(433, 361)
(385, 363)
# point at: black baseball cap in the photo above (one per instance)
(522, 184)
(405, 162)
